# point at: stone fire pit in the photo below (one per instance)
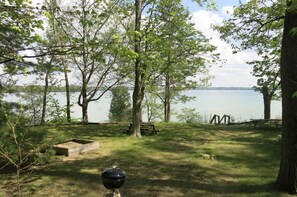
(75, 146)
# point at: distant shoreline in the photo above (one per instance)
(224, 88)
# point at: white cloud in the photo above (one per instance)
(204, 19)
(235, 72)
(228, 10)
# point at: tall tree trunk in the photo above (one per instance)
(267, 108)
(137, 113)
(85, 76)
(44, 100)
(84, 106)
(138, 89)
(267, 102)
(287, 177)
(68, 110)
(167, 99)
(85, 119)
(83, 100)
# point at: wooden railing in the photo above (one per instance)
(216, 119)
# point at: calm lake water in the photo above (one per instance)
(240, 104)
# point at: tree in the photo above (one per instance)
(57, 37)
(32, 99)
(287, 176)
(67, 88)
(138, 91)
(267, 70)
(92, 32)
(18, 24)
(268, 83)
(47, 68)
(184, 51)
(144, 65)
(152, 106)
(120, 106)
(257, 25)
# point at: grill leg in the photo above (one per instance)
(116, 193)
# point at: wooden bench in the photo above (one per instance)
(145, 127)
(271, 122)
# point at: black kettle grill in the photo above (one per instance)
(113, 178)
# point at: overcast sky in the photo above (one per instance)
(235, 72)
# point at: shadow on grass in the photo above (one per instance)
(169, 164)
(85, 131)
(150, 177)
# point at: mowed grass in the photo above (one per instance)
(182, 160)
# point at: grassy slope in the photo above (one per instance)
(245, 162)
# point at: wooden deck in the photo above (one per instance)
(270, 122)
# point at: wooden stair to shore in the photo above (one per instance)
(226, 119)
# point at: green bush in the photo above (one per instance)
(189, 116)
(120, 106)
(56, 113)
(20, 146)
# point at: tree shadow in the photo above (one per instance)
(167, 164)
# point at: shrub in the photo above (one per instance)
(120, 106)
(20, 146)
(190, 116)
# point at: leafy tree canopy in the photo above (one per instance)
(18, 23)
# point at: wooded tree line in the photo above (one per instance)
(148, 45)
(151, 45)
(95, 40)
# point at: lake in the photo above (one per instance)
(240, 104)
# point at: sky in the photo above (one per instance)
(234, 72)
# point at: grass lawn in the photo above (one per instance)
(182, 160)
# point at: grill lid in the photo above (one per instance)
(113, 173)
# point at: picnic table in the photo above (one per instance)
(144, 128)
(275, 122)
